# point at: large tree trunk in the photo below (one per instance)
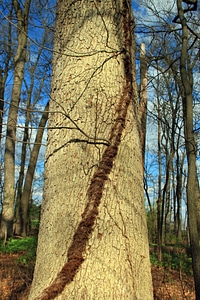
(93, 237)
(193, 193)
(9, 157)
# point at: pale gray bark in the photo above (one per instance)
(93, 238)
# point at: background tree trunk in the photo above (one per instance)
(143, 97)
(9, 156)
(18, 220)
(4, 74)
(21, 185)
(159, 201)
(26, 194)
(193, 193)
(93, 219)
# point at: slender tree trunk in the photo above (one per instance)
(93, 240)
(18, 222)
(166, 193)
(17, 227)
(9, 156)
(1, 102)
(159, 201)
(3, 78)
(143, 96)
(26, 195)
(1, 125)
(193, 193)
(179, 192)
(4, 75)
(180, 163)
(164, 209)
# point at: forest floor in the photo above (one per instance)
(15, 281)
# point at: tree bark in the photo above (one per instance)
(93, 238)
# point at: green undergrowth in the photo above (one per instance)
(26, 250)
(173, 260)
(24, 247)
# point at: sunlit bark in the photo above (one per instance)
(93, 239)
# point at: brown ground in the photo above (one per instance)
(15, 281)
(172, 285)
